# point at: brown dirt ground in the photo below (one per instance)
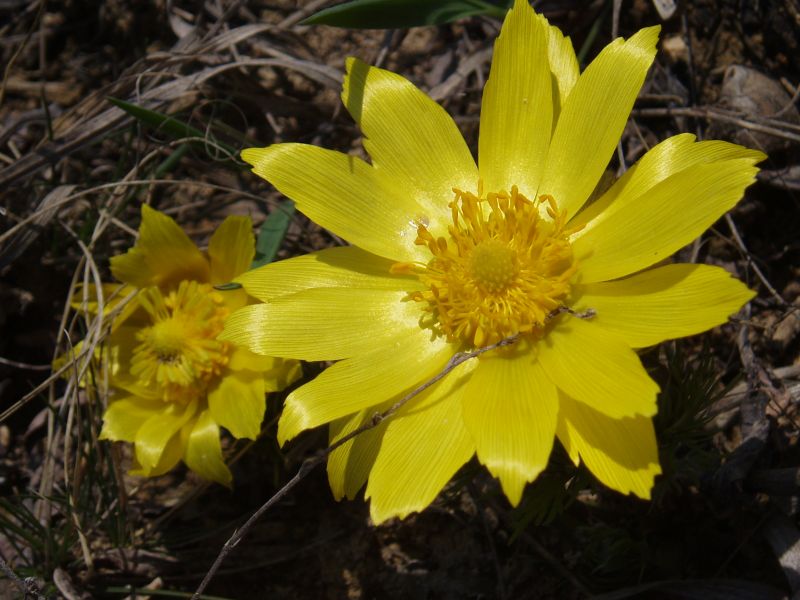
(720, 512)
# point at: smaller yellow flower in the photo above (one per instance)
(175, 383)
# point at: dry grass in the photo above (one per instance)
(74, 169)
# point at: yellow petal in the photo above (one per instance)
(283, 373)
(350, 464)
(204, 453)
(344, 194)
(671, 156)
(394, 367)
(238, 403)
(121, 344)
(340, 267)
(125, 416)
(322, 323)
(563, 66)
(242, 359)
(171, 456)
(88, 298)
(234, 299)
(661, 221)
(72, 356)
(231, 249)
(593, 117)
(277, 373)
(133, 268)
(621, 453)
(594, 367)
(153, 435)
(516, 111)
(664, 303)
(510, 409)
(424, 445)
(163, 255)
(414, 144)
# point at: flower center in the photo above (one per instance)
(178, 354)
(493, 265)
(501, 272)
(166, 339)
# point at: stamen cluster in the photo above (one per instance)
(504, 268)
(179, 354)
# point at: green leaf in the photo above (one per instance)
(272, 232)
(170, 125)
(131, 591)
(400, 14)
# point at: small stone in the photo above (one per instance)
(665, 8)
(675, 49)
(752, 94)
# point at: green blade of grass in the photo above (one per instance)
(169, 163)
(170, 125)
(394, 14)
(21, 513)
(129, 590)
(23, 529)
(272, 232)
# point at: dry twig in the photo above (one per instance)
(311, 463)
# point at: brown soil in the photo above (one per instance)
(726, 505)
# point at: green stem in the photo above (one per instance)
(491, 10)
(170, 162)
(587, 44)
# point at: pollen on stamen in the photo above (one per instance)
(501, 270)
(178, 354)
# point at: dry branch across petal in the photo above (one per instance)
(496, 254)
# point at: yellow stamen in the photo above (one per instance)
(502, 270)
(178, 354)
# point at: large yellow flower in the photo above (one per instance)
(448, 256)
(175, 382)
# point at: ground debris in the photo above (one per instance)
(75, 169)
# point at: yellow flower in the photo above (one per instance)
(448, 256)
(176, 383)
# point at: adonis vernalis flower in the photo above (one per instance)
(175, 382)
(450, 256)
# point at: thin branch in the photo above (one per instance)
(768, 126)
(23, 365)
(539, 549)
(740, 242)
(789, 105)
(13, 576)
(309, 464)
(26, 221)
(28, 586)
